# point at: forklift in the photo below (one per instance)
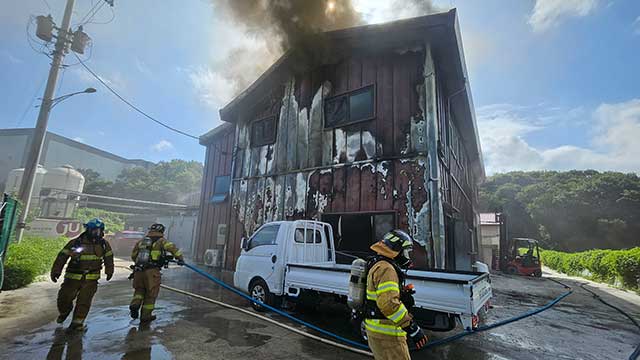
(513, 262)
(524, 258)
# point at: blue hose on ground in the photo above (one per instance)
(364, 347)
(277, 311)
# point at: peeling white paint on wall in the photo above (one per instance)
(353, 145)
(326, 171)
(301, 192)
(321, 201)
(418, 220)
(368, 144)
(340, 144)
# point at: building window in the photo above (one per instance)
(349, 108)
(220, 188)
(263, 131)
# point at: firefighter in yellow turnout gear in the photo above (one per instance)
(87, 252)
(149, 257)
(387, 319)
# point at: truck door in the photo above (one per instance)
(262, 254)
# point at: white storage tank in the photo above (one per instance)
(60, 189)
(14, 181)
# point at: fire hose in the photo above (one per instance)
(345, 343)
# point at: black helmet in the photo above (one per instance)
(401, 242)
(157, 227)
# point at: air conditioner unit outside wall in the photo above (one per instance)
(212, 257)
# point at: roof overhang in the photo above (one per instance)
(209, 136)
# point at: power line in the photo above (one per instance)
(130, 104)
(30, 104)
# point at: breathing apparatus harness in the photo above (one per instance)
(144, 260)
(371, 309)
(77, 248)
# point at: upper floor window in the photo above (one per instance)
(349, 108)
(263, 131)
(220, 188)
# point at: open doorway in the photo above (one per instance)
(354, 233)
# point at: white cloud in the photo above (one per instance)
(614, 146)
(636, 26)
(143, 67)
(78, 139)
(550, 13)
(162, 145)
(10, 57)
(114, 79)
(210, 86)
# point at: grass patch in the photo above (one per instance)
(615, 267)
(26, 260)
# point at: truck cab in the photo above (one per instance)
(261, 267)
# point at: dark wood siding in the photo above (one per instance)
(376, 165)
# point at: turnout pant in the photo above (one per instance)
(82, 292)
(385, 347)
(146, 286)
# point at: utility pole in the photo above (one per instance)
(37, 140)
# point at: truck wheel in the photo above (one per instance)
(260, 291)
(512, 270)
(537, 273)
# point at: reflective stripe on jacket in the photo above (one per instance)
(87, 257)
(383, 287)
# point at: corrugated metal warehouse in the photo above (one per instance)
(367, 128)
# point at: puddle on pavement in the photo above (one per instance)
(236, 333)
(106, 329)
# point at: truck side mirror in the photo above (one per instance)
(244, 244)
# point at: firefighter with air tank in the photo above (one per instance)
(149, 256)
(87, 252)
(386, 315)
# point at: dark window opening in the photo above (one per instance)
(353, 234)
(263, 132)
(353, 107)
(221, 188)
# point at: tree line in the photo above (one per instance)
(568, 211)
(168, 181)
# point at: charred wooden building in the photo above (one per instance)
(367, 128)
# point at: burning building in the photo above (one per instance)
(368, 128)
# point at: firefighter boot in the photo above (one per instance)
(134, 311)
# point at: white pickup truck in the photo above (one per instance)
(298, 258)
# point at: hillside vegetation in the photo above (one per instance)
(568, 211)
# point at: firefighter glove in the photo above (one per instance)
(54, 277)
(415, 333)
(109, 276)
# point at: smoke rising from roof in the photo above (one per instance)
(274, 26)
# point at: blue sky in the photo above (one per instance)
(555, 82)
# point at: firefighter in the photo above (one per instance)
(149, 256)
(387, 319)
(87, 252)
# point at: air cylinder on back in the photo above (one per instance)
(357, 284)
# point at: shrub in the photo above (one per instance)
(26, 260)
(113, 221)
(621, 267)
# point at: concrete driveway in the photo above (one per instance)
(187, 328)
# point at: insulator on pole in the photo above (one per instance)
(44, 29)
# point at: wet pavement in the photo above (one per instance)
(579, 327)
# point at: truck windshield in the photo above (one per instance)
(265, 236)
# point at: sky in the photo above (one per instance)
(556, 83)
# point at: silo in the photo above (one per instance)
(15, 179)
(60, 192)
